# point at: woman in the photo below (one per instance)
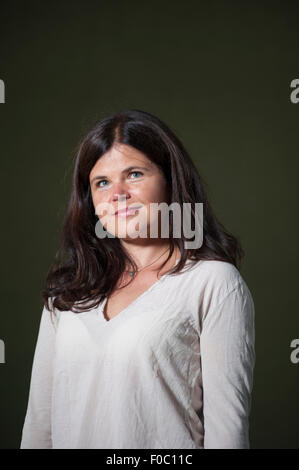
(150, 343)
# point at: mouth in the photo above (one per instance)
(127, 211)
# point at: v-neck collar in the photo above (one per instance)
(102, 305)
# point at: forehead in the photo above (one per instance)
(121, 156)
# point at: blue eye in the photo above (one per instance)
(136, 172)
(98, 184)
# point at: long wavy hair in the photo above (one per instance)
(86, 268)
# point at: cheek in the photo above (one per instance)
(101, 206)
(99, 197)
(154, 191)
(95, 200)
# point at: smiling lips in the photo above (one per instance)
(127, 211)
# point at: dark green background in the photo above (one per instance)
(218, 73)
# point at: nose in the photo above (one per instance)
(120, 192)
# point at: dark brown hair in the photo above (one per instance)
(87, 268)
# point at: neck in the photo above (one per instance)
(147, 254)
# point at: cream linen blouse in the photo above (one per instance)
(173, 370)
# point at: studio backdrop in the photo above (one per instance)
(224, 75)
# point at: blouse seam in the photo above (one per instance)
(236, 287)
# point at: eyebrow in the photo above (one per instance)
(124, 171)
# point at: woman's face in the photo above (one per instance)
(125, 177)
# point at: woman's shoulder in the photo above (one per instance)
(50, 314)
(216, 271)
(218, 283)
(217, 277)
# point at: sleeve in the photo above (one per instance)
(36, 432)
(227, 345)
